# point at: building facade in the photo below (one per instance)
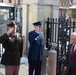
(11, 10)
(64, 7)
(12, 2)
(72, 9)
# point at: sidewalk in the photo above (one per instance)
(23, 67)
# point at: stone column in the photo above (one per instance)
(24, 26)
(36, 13)
(52, 59)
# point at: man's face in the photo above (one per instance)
(9, 27)
(13, 31)
(37, 28)
(73, 39)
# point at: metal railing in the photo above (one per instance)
(58, 37)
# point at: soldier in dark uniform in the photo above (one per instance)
(12, 42)
(36, 49)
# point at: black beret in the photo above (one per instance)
(12, 24)
(37, 23)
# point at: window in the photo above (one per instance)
(10, 1)
(1, 0)
(73, 13)
(71, 1)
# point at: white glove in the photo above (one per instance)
(9, 31)
(36, 37)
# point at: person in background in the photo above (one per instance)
(12, 43)
(36, 49)
(70, 64)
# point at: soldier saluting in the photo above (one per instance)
(36, 49)
(12, 42)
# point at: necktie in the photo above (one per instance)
(72, 51)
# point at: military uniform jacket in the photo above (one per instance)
(13, 49)
(36, 48)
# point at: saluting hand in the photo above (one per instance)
(9, 31)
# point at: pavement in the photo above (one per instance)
(23, 67)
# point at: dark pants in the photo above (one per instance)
(11, 70)
(72, 71)
(69, 73)
(35, 67)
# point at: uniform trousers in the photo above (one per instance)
(35, 67)
(11, 70)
